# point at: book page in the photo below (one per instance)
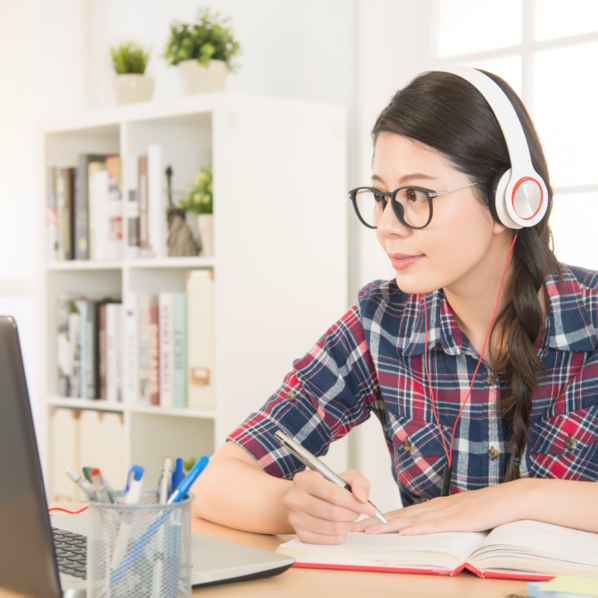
(538, 546)
(389, 546)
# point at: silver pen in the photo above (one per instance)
(164, 483)
(315, 464)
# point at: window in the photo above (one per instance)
(547, 51)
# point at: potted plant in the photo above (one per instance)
(199, 199)
(130, 83)
(203, 52)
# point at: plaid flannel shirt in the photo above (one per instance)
(371, 360)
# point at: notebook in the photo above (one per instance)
(28, 559)
(528, 550)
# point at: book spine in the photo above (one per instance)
(143, 315)
(201, 340)
(113, 166)
(83, 346)
(154, 355)
(102, 351)
(179, 329)
(95, 188)
(166, 352)
(120, 326)
(81, 215)
(61, 212)
(101, 215)
(51, 214)
(63, 350)
(156, 201)
(111, 353)
(71, 178)
(131, 359)
(91, 363)
(75, 350)
(144, 239)
(130, 182)
(114, 215)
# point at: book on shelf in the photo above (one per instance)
(51, 214)
(107, 208)
(529, 550)
(131, 202)
(81, 204)
(65, 188)
(88, 347)
(201, 340)
(155, 349)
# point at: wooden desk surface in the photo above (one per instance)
(348, 584)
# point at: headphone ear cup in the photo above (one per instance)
(498, 202)
(493, 199)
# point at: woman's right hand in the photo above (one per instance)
(321, 512)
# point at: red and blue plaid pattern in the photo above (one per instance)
(371, 361)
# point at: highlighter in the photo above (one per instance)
(177, 475)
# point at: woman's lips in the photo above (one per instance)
(400, 261)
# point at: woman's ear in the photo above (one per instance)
(498, 228)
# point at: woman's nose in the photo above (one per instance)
(389, 224)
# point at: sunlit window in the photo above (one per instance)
(552, 63)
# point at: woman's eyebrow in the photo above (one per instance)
(403, 179)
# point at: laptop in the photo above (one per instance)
(35, 548)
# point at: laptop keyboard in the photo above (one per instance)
(71, 552)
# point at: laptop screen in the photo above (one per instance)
(27, 561)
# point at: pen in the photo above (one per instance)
(179, 494)
(177, 475)
(315, 464)
(83, 484)
(134, 484)
(86, 471)
(101, 487)
(164, 483)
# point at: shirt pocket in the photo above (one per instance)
(565, 446)
(419, 456)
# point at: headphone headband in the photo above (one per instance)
(521, 197)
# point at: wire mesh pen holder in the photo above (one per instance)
(139, 551)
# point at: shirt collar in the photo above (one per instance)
(569, 327)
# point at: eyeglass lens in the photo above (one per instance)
(411, 206)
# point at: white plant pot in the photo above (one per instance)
(129, 89)
(198, 79)
(205, 226)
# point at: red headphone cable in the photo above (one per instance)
(447, 474)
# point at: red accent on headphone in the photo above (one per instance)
(449, 454)
(517, 185)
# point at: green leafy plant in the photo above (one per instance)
(189, 463)
(210, 38)
(199, 198)
(128, 58)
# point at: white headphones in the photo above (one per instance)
(520, 194)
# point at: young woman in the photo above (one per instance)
(479, 358)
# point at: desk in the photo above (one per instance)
(313, 583)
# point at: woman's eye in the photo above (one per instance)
(415, 196)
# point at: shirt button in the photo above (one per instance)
(493, 453)
(290, 396)
(491, 380)
(571, 442)
(407, 445)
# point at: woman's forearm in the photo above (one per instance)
(234, 493)
(562, 502)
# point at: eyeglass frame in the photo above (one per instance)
(429, 193)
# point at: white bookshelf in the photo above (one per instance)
(280, 250)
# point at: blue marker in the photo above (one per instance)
(177, 475)
(179, 494)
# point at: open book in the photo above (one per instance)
(527, 550)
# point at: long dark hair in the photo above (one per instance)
(448, 114)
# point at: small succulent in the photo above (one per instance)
(128, 58)
(199, 198)
(210, 38)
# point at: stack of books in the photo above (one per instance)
(88, 204)
(156, 349)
